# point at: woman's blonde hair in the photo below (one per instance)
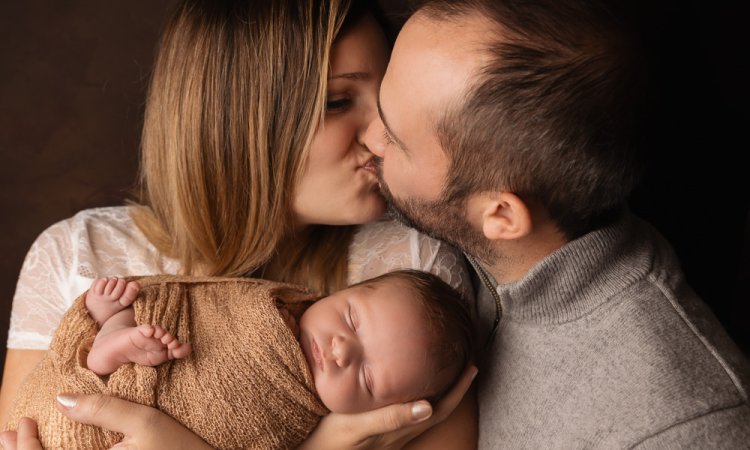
(237, 93)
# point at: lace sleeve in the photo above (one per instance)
(66, 258)
(387, 245)
(41, 296)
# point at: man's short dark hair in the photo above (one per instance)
(553, 115)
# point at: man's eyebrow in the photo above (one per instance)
(388, 129)
(351, 76)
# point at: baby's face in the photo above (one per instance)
(367, 346)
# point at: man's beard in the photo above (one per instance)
(443, 219)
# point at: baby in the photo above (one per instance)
(234, 375)
(399, 337)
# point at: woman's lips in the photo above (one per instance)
(369, 165)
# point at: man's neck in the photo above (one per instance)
(519, 256)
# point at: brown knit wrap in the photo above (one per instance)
(246, 383)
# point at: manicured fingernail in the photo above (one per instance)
(66, 400)
(476, 371)
(421, 410)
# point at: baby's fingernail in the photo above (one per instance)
(66, 400)
(421, 410)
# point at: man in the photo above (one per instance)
(507, 129)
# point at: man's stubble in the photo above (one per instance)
(443, 219)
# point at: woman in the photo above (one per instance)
(252, 164)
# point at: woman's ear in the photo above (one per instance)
(504, 216)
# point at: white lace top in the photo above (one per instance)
(66, 257)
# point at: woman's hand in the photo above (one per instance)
(390, 427)
(144, 428)
(26, 438)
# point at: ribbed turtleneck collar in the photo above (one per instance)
(581, 275)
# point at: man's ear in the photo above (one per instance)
(504, 216)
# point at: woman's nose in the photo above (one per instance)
(344, 351)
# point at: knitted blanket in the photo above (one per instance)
(245, 384)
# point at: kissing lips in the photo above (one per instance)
(370, 165)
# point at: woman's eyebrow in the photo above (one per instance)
(351, 76)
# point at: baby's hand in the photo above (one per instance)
(290, 321)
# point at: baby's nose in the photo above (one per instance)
(343, 350)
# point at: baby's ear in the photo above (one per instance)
(500, 215)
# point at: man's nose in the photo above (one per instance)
(373, 137)
(343, 351)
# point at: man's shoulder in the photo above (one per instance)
(649, 359)
(726, 428)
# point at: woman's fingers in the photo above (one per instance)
(100, 410)
(110, 413)
(398, 417)
(143, 427)
(449, 402)
(28, 435)
(8, 440)
(368, 430)
(390, 427)
(25, 438)
(392, 418)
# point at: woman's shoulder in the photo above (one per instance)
(89, 222)
(101, 241)
(60, 265)
(104, 217)
(117, 217)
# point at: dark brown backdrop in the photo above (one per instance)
(72, 85)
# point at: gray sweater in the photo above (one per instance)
(604, 345)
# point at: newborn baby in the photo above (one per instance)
(396, 338)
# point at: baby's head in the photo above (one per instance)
(402, 336)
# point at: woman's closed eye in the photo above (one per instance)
(335, 105)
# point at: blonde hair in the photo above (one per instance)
(237, 93)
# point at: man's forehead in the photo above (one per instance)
(463, 36)
(431, 67)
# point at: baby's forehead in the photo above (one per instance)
(387, 288)
(390, 280)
